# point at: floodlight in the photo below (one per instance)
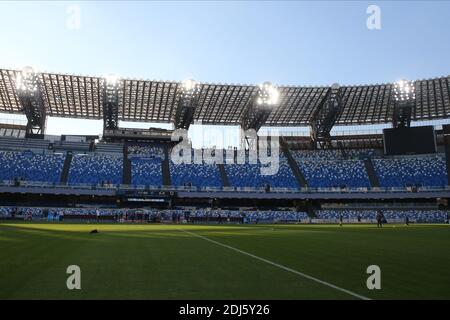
(26, 80)
(268, 94)
(404, 90)
(190, 88)
(112, 82)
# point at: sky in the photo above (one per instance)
(246, 42)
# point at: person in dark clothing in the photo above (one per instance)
(340, 219)
(407, 220)
(379, 220)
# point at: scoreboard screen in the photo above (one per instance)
(414, 140)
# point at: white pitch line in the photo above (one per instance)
(281, 267)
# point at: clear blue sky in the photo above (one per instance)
(296, 43)
(243, 42)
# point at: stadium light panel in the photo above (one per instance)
(112, 82)
(190, 88)
(26, 80)
(404, 90)
(268, 94)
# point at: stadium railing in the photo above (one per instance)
(35, 184)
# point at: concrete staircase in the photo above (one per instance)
(292, 163)
(373, 178)
(66, 168)
(167, 181)
(223, 175)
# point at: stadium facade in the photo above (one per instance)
(131, 172)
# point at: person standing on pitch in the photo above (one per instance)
(340, 219)
(379, 220)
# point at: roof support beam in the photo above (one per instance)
(326, 116)
(187, 104)
(404, 104)
(260, 107)
(29, 90)
(110, 103)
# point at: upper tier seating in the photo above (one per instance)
(96, 169)
(146, 164)
(329, 154)
(334, 173)
(250, 175)
(362, 153)
(198, 175)
(149, 151)
(194, 174)
(30, 166)
(146, 171)
(411, 171)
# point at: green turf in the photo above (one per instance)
(164, 262)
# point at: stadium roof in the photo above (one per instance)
(75, 96)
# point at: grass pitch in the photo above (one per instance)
(179, 262)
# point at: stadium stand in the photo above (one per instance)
(362, 153)
(30, 166)
(195, 174)
(250, 175)
(346, 214)
(155, 151)
(274, 216)
(146, 164)
(331, 154)
(34, 213)
(146, 171)
(96, 169)
(420, 216)
(125, 167)
(321, 173)
(243, 216)
(411, 171)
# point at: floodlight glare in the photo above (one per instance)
(112, 82)
(268, 94)
(190, 88)
(404, 90)
(26, 80)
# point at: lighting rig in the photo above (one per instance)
(187, 103)
(404, 103)
(110, 102)
(28, 86)
(326, 116)
(266, 99)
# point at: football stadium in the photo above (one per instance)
(355, 206)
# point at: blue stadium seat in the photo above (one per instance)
(198, 175)
(146, 171)
(30, 166)
(96, 169)
(250, 175)
(419, 216)
(334, 173)
(411, 171)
